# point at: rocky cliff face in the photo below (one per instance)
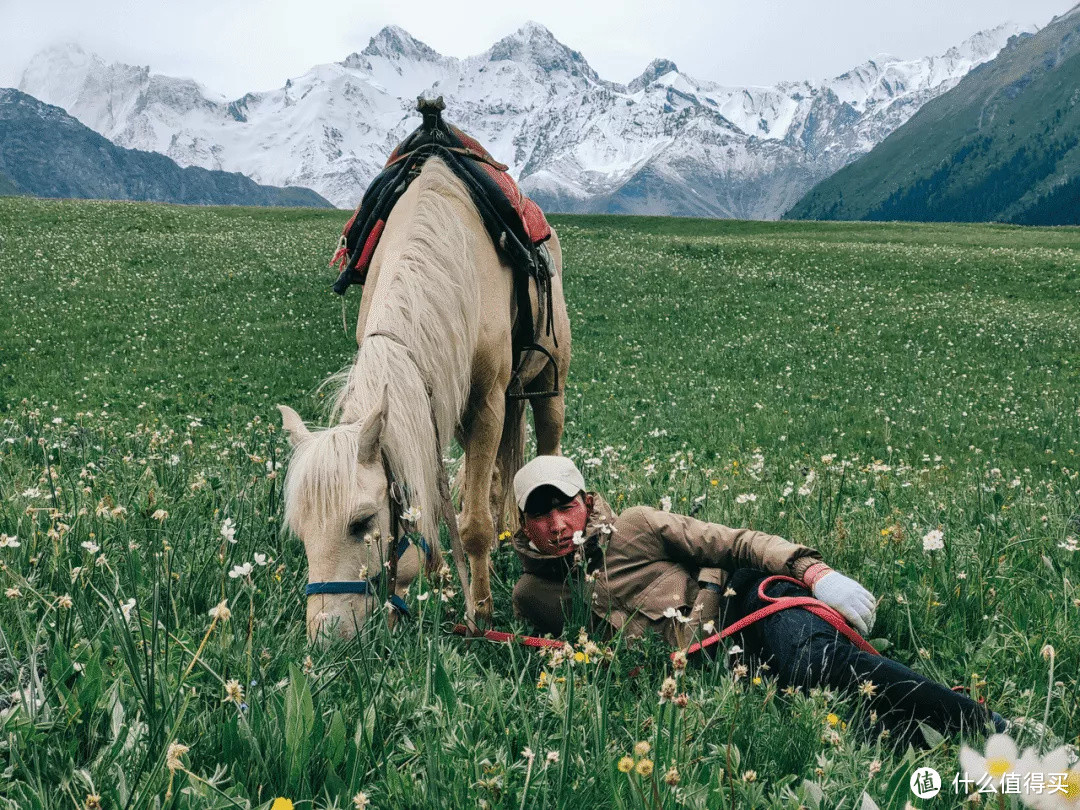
(666, 143)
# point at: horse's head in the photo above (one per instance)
(337, 502)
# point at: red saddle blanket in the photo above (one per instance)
(374, 212)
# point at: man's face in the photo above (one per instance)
(552, 532)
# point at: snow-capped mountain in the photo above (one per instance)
(666, 143)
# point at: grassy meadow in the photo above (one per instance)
(853, 387)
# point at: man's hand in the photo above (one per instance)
(848, 598)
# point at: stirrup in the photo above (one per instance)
(516, 376)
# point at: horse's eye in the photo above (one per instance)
(358, 528)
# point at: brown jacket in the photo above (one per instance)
(642, 564)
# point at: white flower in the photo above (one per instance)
(260, 559)
(240, 570)
(670, 613)
(228, 530)
(91, 546)
(33, 492)
(745, 497)
(869, 501)
(9, 541)
(933, 540)
(579, 538)
(159, 515)
(221, 611)
(553, 756)
(126, 609)
(665, 503)
(411, 515)
(1070, 544)
(1001, 758)
(423, 597)
(828, 458)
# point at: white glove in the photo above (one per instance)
(849, 599)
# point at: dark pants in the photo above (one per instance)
(804, 651)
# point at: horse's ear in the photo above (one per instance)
(372, 427)
(293, 425)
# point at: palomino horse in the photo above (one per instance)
(434, 361)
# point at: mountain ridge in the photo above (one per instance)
(1000, 146)
(664, 143)
(48, 153)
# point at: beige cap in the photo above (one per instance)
(547, 471)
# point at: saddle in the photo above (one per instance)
(515, 223)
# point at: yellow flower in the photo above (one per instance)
(713, 482)
(626, 764)
(757, 681)
(281, 803)
(581, 657)
(832, 719)
(540, 684)
(644, 767)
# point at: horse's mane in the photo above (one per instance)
(427, 298)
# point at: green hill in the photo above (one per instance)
(1003, 145)
(46, 152)
(7, 188)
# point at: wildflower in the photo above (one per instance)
(626, 764)
(875, 767)
(228, 530)
(665, 503)
(644, 767)
(579, 538)
(672, 776)
(552, 756)
(221, 611)
(12, 593)
(234, 692)
(867, 688)
(240, 570)
(1047, 652)
(667, 690)
(92, 802)
(159, 515)
(682, 701)
(64, 602)
(933, 540)
(411, 515)
(1001, 757)
(260, 559)
(829, 458)
(642, 749)
(756, 681)
(678, 661)
(739, 671)
(745, 497)
(728, 592)
(832, 719)
(749, 776)
(361, 801)
(528, 754)
(126, 609)
(9, 542)
(91, 546)
(173, 754)
(281, 803)
(309, 665)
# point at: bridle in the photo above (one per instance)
(363, 587)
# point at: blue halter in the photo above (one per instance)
(366, 586)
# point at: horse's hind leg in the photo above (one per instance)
(481, 440)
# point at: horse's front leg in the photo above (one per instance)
(477, 523)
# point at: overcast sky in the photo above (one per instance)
(236, 46)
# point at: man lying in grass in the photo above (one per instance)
(653, 570)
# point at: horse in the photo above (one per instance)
(434, 360)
